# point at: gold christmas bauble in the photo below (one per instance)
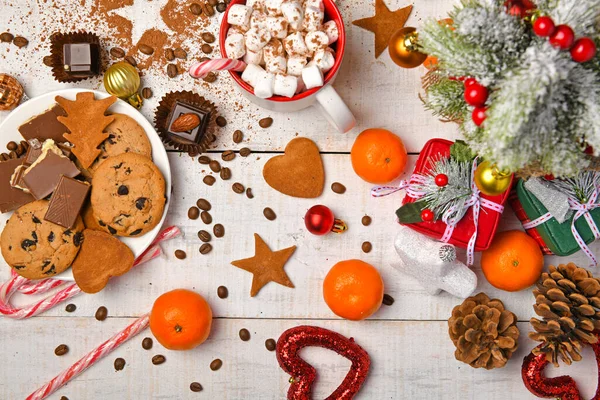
(403, 48)
(123, 80)
(490, 180)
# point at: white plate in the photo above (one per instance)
(9, 131)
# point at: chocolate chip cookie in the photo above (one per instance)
(128, 195)
(36, 248)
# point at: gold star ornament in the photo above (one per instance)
(384, 24)
(266, 265)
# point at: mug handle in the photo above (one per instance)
(335, 110)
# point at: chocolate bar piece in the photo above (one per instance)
(81, 59)
(11, 198)
(16, 179)
(43, 176)
(194, 135)
(67, 201)
(33, 152)
(45, 126)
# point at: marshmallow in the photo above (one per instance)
(273, 6)
(285, 85)
(257, 38)
(235, 30)
(293, 13)
(258, 20)
(277, 26)
(276, 65)
(264, 87)
(313, 19)
(318, 4)
(301, 86)
(294, 45)
(234, 46)
(312, 77)
(273, 49)
(239, 15)
(295, 65)
(252, 57)
(316, 40)
(324, 60)
(252, 74)
(331, 30)
(256, 4)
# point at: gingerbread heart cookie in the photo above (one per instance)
(299, 172)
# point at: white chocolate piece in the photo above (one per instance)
(252, 74)
(273, 7)
(312, 77)
(331, 30)
(256, 4)
(285, 85)
(276, 65)
(252, 57)
(293, 13)
(301, 87)
(258, 20)
(234, 46)
(294, 45)
(316, 41)
(295, 65)
(257, 38)
(277, 26)
(313, 19)
(239, 15)
(324, 60)
(264, 87)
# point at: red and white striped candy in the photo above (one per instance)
(201, 69)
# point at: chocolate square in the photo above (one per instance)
(45, 126)
(42, 178)
(11, 198)
(81, 59)
(196, 134)
(67, 201)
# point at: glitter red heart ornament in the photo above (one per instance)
(562, 387)
(304, 375)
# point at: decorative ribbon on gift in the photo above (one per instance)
(25, 286)
(475, 201)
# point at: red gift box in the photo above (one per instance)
(465, 228)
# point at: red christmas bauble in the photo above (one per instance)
(476, 95)
(319, 220)
(470, 81)
(544, 26)
(441, 180)
(563, 37)
(478, 115)
(583, 50)
(427, 215)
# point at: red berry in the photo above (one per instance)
(589, 150)
(441, 180)
(476, 95)
(549, 177)
(517, 10)
(544, 26)
(563, 37)
(478, 115)
(427, 215)
(583, 50)
(470, 81)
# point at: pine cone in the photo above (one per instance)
(484, 333)
(568, 299)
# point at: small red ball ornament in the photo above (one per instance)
(470, 81)
(441, 180)
(478, 115)
(549, 177)
(517, 10)
(427, 215)
(544, 26)
(319, 220)
(563, 37)
(476, 95)
(583, 50)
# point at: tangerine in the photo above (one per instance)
(378, 156)
(513, 262)
(353, 289)
(180, 319)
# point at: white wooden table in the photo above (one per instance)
(412, 355)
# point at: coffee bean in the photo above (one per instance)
(20, 41)
(209, 180)
(193, 212)
(222, 292)
(210, 77)
(20, 150)
(244, 334)
(338, 188)
(180, 53)
(11, 146)
(366, 220)
(265, 122)
(203, 204)
(269, 214)
(147, 50)
(195, 9)
(205, 248)
(131, 60)
(366, 247)
(3, 156)
(206, 217)
(119, 364)
(6, 37)
(225, 173)
(270, 344)
(158, 359)
(249, 193)
(169, 54)
(215, 166)
(146, 93)
(70, 307)
(216, 364)
(206, 48)
(204, 160)
(47, 61)
(238, 136)
(172, 70)
(221, 7)
(13, 155)
(193, 152)
(195, 387)
(64, 398)
(101, 313)
(228, 155)
(208, 37)
(61, 350)
(204, 236)
(147, 343)
(219, 230)
(245, 152)
(387, 300)
(117, 52)
(180, 254)
(213, 2)
(221, 121)
(238, 188)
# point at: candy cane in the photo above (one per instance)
(201, 69)
(90, 358)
